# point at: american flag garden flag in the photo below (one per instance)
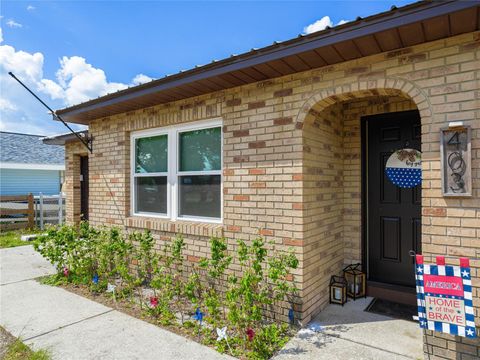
(444, 297)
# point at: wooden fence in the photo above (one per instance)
(17, 212)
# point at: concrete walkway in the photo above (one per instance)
(349, 333)
(73, 327)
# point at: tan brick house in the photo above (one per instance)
(290, 141)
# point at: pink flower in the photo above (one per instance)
(250, 334)
(65, 271)
(153, 302)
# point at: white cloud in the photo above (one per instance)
(76, 81)
(30, 7)
(7, 105)
(81, 81)
(321, 25)
(141, 79)
(13, 24)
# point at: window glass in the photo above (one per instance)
(151, 154)
(200, 195)
(151, 194)
(200, 150)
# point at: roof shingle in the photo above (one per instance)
(29, 149)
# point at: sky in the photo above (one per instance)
(71, 51)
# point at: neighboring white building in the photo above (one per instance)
(27, 165)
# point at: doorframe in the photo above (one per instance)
(397, 293)
(84, 187)
(364, 195)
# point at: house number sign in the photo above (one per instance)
(455, 148)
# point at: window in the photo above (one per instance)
(151, 174)
(200, 156)
(177, 172)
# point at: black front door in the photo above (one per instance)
(393, 213)
(84, 188)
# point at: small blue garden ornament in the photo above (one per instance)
(198, 316)
(291, 316)
(95, 279)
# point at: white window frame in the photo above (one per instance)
(173, 174)
(133, 174)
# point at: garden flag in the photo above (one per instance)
(404, 168)
(444, 297)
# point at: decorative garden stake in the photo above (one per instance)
(111, 289)
(198, 316)
(153, 302)
(250, 334)
(291, 316)
(222, 334)
(65, 271)
(95, 279)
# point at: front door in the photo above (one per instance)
(393, 213)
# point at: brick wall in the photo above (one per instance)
(277, 135)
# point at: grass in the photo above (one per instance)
(19, 351)
(15, 349)
(12, 238)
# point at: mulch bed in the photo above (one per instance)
(126, 307)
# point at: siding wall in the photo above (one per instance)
(18, 181)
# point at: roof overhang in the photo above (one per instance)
(395, 29)
(61, 139)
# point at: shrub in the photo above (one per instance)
(240, 300)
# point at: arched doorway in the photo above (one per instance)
(338, 198)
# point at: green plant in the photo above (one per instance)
(247, 294)
(215, 268)
(259, 277)
(268, 340)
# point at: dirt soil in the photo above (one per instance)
(130, 308)
(6, 339)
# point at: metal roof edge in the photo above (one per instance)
(367, 26)
(60, 139)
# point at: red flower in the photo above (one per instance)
(154, 301)
(250, 334)
(65, 271)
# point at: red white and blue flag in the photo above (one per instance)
(444, 297)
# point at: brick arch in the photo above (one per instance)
(375, 87)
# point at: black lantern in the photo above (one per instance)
(356, 281)
(338, 290)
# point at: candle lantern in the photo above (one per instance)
(338, 290)
(356, 281)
